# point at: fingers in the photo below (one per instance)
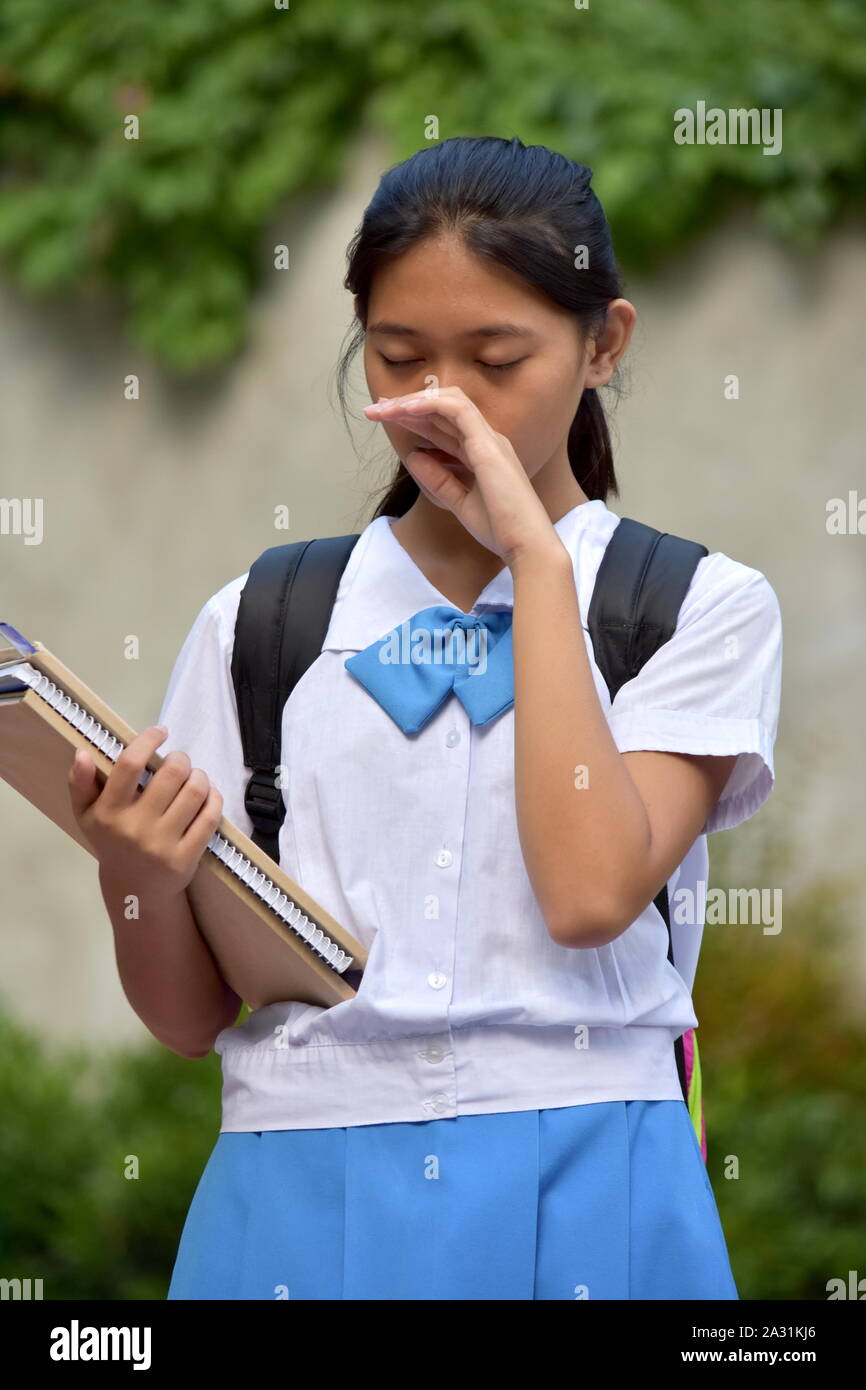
(83, 782)
(121, 785)
(428, 433)
(202, 828)
(170, 778)
(186, 801)
(437, 478)
(449, 406)
(427, 422)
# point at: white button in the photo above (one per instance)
(452, 738)
(436, 979)
(444, 858)
(439, 1102)
(434, 1054)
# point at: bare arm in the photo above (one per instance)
(167, 971)
(149, 844)
(597, 854)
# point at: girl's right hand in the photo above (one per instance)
(153, 837)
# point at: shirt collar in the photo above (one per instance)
(382, 586)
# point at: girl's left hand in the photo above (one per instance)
(499, 507)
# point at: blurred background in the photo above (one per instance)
(177, 190)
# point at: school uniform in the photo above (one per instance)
(493, 1115)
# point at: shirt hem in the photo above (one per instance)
(478, 1070)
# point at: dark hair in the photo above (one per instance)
(524, 206)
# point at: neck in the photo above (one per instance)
(436, 535)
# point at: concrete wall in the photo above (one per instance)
(150, 506)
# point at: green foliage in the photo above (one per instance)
(244, 106)
(73, 1124)
(784, 1081)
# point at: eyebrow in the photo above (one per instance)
(488, 330)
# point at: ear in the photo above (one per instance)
(356, 305)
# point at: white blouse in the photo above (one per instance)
(467, 1006)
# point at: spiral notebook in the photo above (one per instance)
(270, 940)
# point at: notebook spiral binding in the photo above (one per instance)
(228, 854)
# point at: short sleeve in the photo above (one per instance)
(714, 686)
(200, 709)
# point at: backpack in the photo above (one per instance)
(283, 617)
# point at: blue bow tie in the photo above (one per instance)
(413, 668)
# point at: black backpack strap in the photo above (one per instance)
(642, 580)
(641, 583)
(283, 617)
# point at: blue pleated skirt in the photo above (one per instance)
(602, 1200)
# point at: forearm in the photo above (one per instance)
(167, 971)
(583, 827)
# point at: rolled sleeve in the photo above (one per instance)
(199, 708)
(714, 687)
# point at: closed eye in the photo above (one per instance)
(413, 361)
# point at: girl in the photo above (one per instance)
(497, 1113)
